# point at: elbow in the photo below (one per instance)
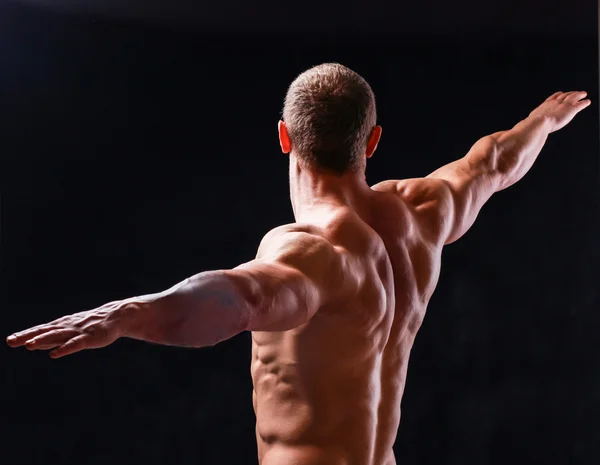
(251, 298)
(508, 172)
(503, 164)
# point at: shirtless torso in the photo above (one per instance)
(328, 387)
(329, 391)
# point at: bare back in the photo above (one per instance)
(329, 391)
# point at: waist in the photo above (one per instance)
(332, 454)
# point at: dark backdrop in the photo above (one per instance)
(137, 153)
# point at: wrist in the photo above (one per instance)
(546, 122)
(128, 319)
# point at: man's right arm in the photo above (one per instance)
(452, 196)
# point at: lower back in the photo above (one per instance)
(319, 396)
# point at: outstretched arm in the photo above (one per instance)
(294, 274)
(500, 160)
(452, 196)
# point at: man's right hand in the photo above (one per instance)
(561, 108)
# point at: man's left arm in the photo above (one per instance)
(294, 274)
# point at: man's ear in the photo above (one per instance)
(373, 141)
(284, 138)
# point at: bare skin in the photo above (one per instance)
(334, 301)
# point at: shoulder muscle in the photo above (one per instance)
(294, 274)
(450, 198)
(427, 200)
(310, 254)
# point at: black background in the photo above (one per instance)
(139, 148)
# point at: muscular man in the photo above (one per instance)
(334, 301)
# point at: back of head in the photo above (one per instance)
(329, 113)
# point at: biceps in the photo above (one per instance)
(281, 298)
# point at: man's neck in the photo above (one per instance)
(314, 189)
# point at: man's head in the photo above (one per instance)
(329, 119)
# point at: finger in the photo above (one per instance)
(564, 96)
(76, 344)
(574, 97)
(18, 339)
(553, 96)
(50, 339)
(583, 104)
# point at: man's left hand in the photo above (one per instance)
(91, 329)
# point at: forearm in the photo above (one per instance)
(201, 311)
(518, 148)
